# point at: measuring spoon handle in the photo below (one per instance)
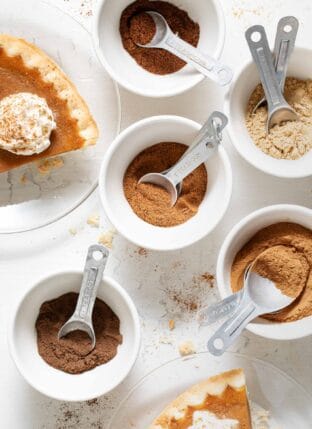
(263, 59)
(233, 327)
(204, 149)
(219, 310)
(205, 64)
(92, 277)
(284, 46)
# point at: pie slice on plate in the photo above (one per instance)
(24, 68)
(220, 402)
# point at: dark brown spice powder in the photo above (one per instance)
(70, 354)
(152, 203)
(135, 25)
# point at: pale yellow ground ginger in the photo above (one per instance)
(289, 140)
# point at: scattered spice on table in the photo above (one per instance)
(138, 27)
(152, 203)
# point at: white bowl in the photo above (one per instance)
(55, 383)
(130, 143)
(236, 239)
(123, 68)
(244, 82)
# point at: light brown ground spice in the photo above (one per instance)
(298, 241)
(284, 266)
(289, 140)
(135, 26)
(152, 203)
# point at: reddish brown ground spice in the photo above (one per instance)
(152, 203)
(135, 25)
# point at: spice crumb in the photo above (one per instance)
(187, 348)
(23, 179)
(142, 251)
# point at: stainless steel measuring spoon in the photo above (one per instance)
(219, 310)
(205, 146)
(164, 38)
(93, 273)
(285, 39)
(278, 108)
(260, 296)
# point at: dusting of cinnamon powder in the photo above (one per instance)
(292, 139)
(284, 254)
(152, 203)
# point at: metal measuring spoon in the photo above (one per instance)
(81, 320)
(205, 146)
(260, 296)
(278, 108)
(164, 38)
(285, 39)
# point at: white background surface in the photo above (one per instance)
(152, 279)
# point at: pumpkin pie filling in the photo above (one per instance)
(17, 77)
(220, 401)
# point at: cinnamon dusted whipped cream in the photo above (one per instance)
(26, 122)
(207, 420)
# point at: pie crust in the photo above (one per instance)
(50, 78)
(224, 395)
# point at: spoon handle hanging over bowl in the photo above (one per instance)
(233, 327)
(285, 39)
(92, 277)
(217, 311)
(278, 108)
(286, 35)
(200, 152)
(204, 63)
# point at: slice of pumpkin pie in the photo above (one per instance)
(41, 111)
(220, 402)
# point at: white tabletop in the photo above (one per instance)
(150, 277)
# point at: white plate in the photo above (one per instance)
(46, 198)
(288, 403)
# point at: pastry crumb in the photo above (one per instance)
(94, 220)
(187, 348)
(171, 324)
(107, 238)
(73, 231)
(50, 164)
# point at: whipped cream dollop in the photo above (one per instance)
(26, 122)
(207, 420)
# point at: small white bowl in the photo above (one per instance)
(125, 148)
(123, 68)
(244, 82)
(240, 235)
(58, 384)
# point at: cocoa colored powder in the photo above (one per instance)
(152, 203)
(71, 353)
(138, 27)
(284, 254)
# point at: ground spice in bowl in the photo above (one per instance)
(152, 203)
(137, 27)
(292, 139)
(70, 354)
(284, 252)
(286, 267)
